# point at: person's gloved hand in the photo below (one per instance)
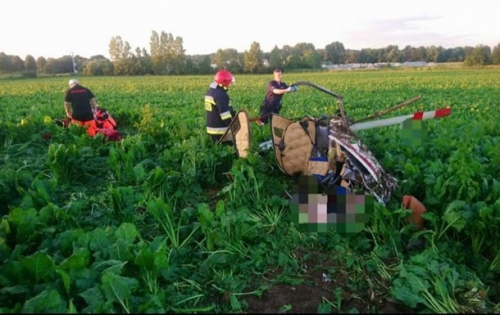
(293, 88)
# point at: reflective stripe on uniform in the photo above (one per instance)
(209, 102)
(209, 99)
(226, 115)
(216, 131)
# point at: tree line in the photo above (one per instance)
(166, 56)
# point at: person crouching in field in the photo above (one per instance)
(83, 106)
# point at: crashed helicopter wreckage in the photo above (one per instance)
(329, 148)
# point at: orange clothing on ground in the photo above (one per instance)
(104, 120)
(105, 124)
(89, 125)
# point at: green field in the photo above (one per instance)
(154, 223)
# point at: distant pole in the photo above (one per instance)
(74, 63)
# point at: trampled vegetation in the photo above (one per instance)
(154, 223)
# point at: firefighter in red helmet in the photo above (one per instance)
(218, 108)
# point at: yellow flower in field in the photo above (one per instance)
(23, 122)
(47, 120)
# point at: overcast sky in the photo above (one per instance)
(54, 28)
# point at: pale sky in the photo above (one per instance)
(54, 28)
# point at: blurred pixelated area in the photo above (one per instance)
(337, 209)
(413, 132)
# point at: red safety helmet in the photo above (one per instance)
(224, 77)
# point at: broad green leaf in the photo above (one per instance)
(139, 172)
(18, 289)
(48, 301)
(49, 213)
(161, 259)
(4, 226)
(114, 266)
(12, 273)
(145, 258)
(235, 304)
(485, 212)
(153, 304)
(93, 297)
(25, 222)
(77, 261)
(99, 243)
(220, 208)
(406, 294)
(128, 232)
(39, 266)
(5, 251)
(120, 250)
(117, 288)
(70, 239)
(71, 308)
(324, 308)
(66, 279)
(453, 217)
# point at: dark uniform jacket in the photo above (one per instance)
(273, 101)
(80, 97)
(219, 111)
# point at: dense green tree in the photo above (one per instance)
(409, 53)
(276, 58)
(367, 55)
(30, 63)
(393, 54)
(205, 67)
(219, 60)
(286, 52)
(40, 64)
(233, 60)
(17, 64)
(335, 53)
(98, 57)
(293, 61)
(5, 63)
(167, 56)
(98, 67)
(50, 66)
(352, 56)
(456, 54)
(167, 53)
(121, 56)
(252, 59)
(481, 55)
(421, 54)
(309, 57)
(432, 54)
(495, 55)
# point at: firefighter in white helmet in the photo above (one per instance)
(81, 105)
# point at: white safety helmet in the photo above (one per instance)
(73, 82)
